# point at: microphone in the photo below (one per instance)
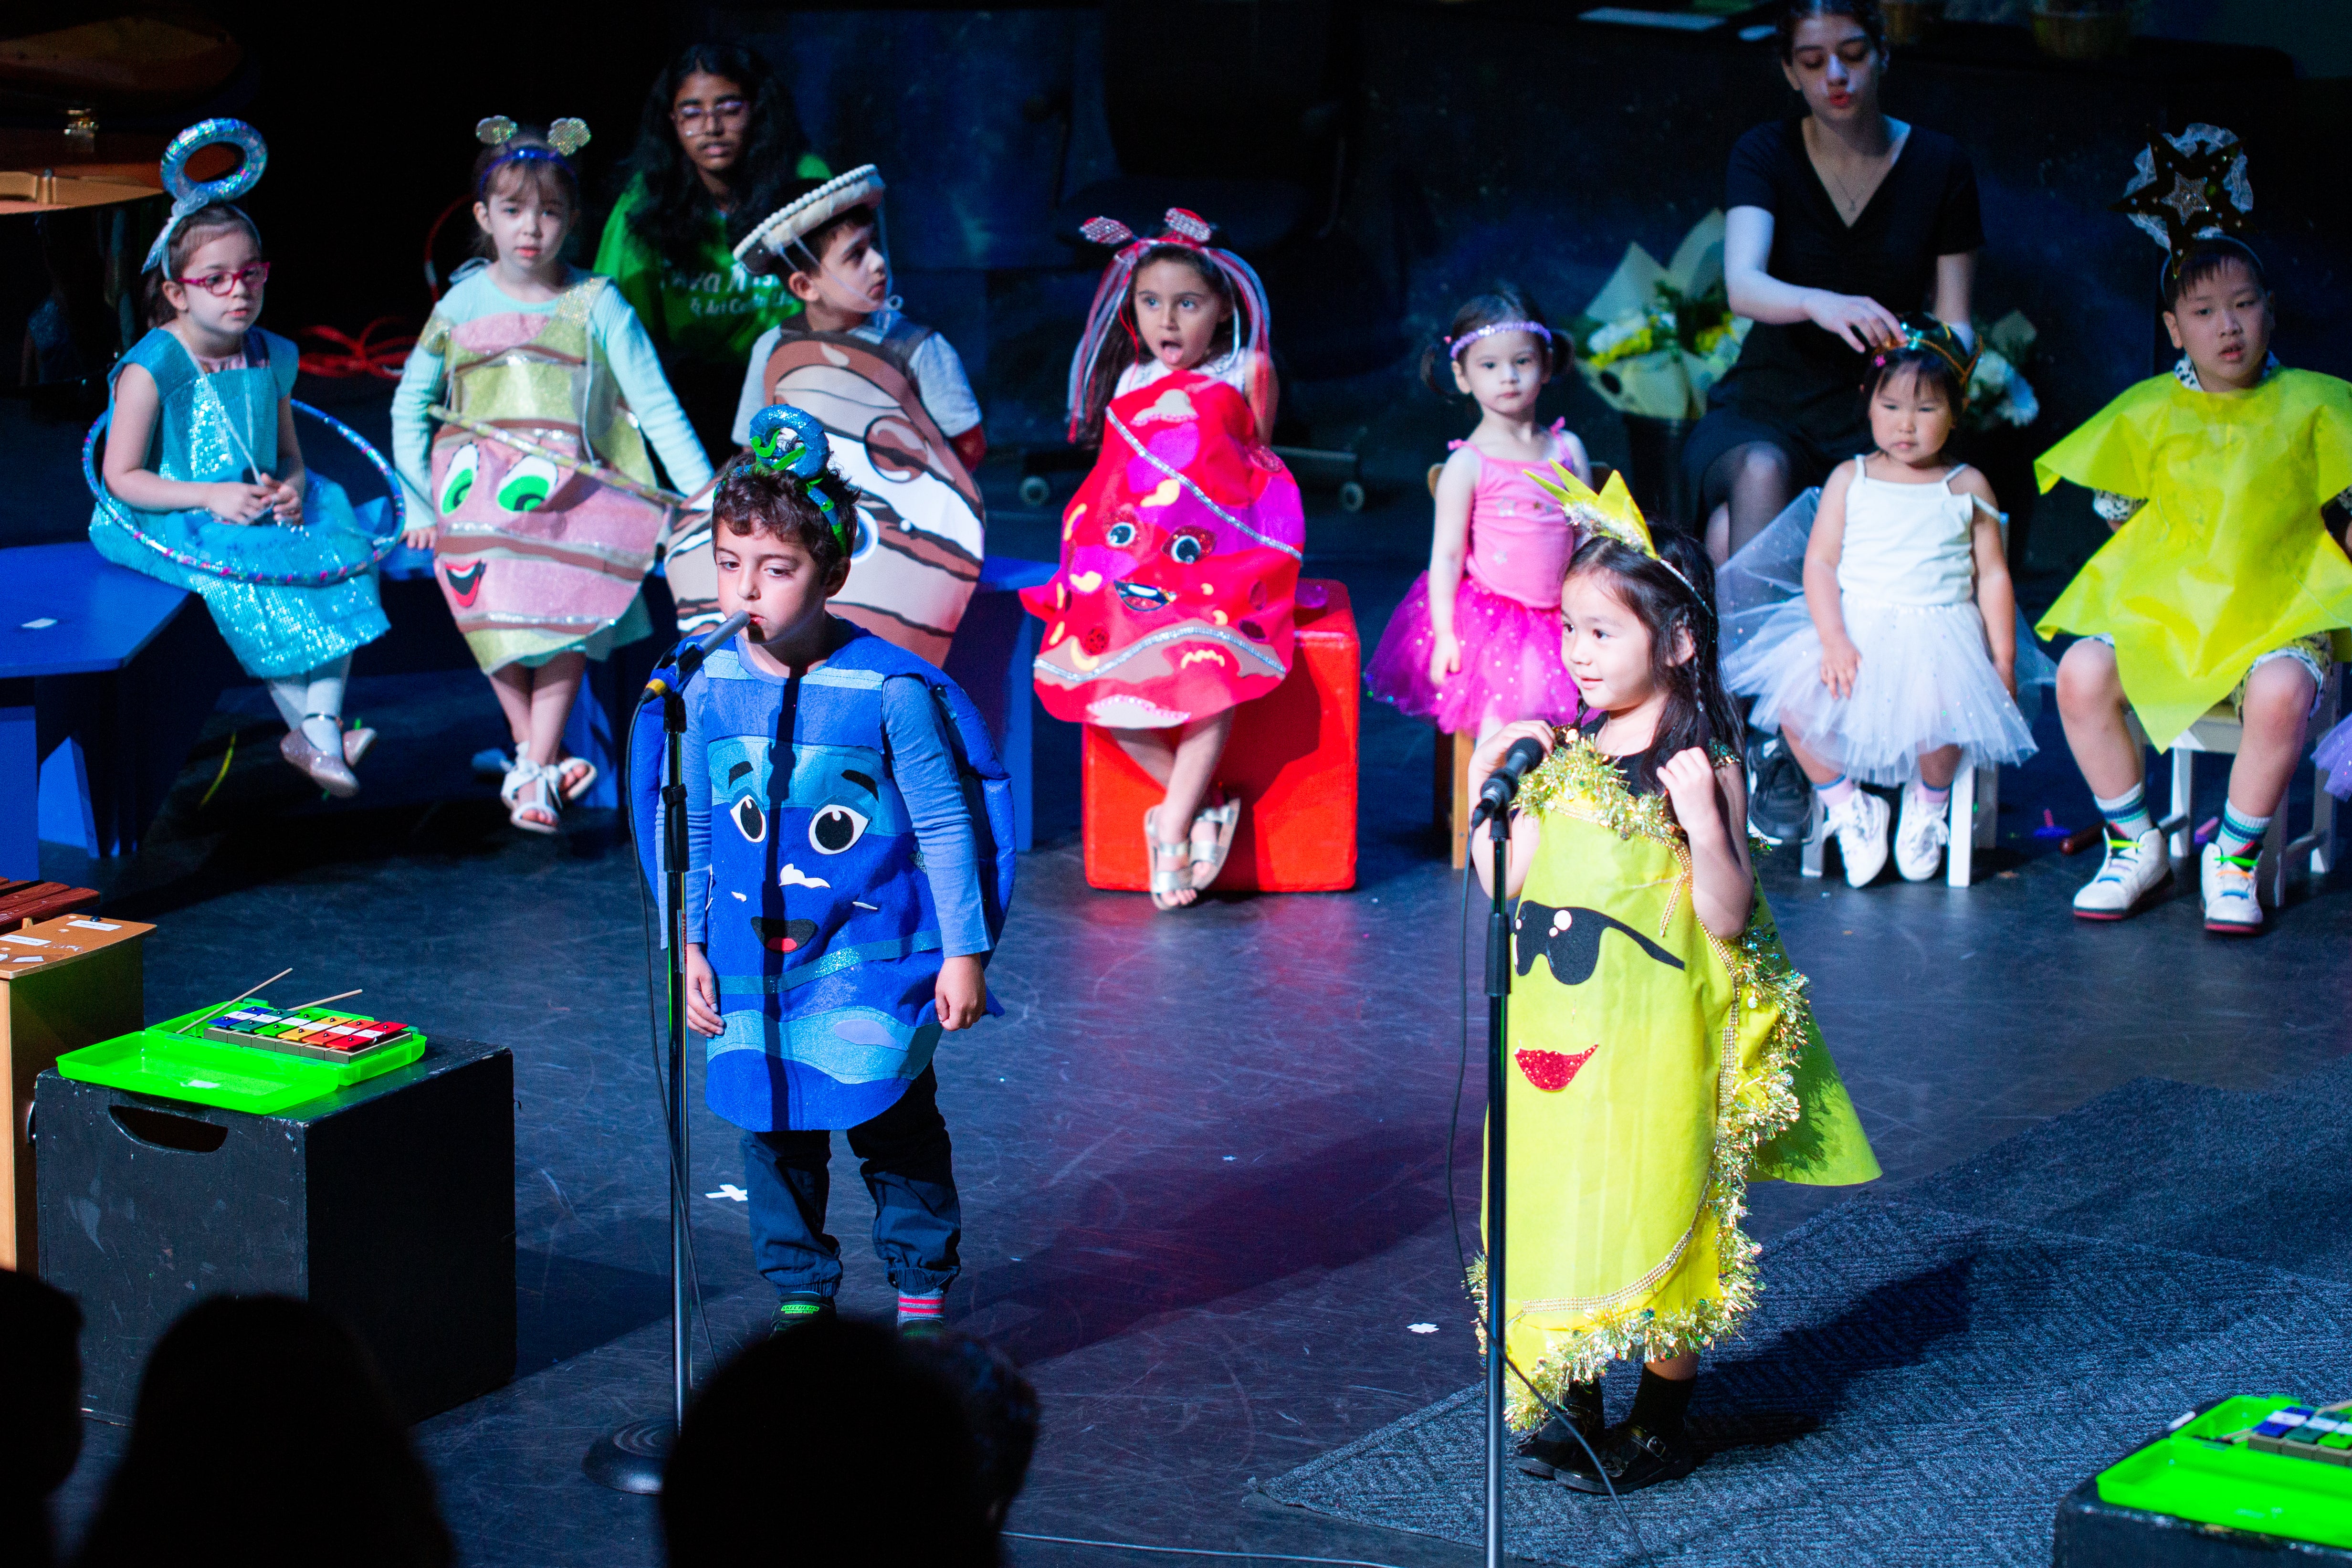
(691, 659)
(1495, 795)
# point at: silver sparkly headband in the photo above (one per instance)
(1454, 346)
(189, 197)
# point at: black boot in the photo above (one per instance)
(1650, 1447)
(1554, 1447)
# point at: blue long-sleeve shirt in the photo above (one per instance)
(924, 768)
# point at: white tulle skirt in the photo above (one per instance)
(1926, 681)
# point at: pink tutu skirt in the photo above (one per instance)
(1511, 666)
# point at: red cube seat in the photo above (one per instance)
(1291, 762)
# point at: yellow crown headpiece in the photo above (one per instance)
(1610, 512)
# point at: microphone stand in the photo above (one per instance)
(630, 1457)
(1498, 995)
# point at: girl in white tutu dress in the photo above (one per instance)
(1901, 649)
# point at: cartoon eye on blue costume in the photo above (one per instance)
(836, 784)
(739, 784)
(835, 828)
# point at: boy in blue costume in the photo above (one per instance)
(836, 919)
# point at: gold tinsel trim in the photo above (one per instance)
(1579, 780)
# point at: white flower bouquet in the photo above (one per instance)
(1998, 392)
(1657, 338)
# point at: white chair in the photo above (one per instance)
(1976, 801)
(2219, 732)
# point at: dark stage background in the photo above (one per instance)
(1207, 1189)
(1377, 161)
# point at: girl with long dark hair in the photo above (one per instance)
(718, 145)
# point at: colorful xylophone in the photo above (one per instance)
(319, 1032)
(2303, 1432)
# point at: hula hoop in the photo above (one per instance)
(121, 515)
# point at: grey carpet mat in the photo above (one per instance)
(2331, 1084)
(2262, 1178)
(1918, 1385)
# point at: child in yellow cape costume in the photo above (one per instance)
(2229, 558)
(1655, 1068)
(2221, 583)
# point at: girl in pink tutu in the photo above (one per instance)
(1475, 644)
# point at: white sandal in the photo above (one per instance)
(1166, 881)
(550, 799)
(1211, 841)
(573, 785)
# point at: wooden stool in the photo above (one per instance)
(1450, 792)
(65, 983)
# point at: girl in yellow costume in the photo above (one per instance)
(1663, 1055)
(2221, 583)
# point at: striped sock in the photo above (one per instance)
(921, 1309)
(2127, 814)
(2240, 834)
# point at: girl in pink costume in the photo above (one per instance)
(1475, 644)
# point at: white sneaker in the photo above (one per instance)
(1860, 823)
(2131, 872)
(2231, 905)
(1921, 834)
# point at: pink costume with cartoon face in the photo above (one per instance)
(1179, 565)
(535, 558)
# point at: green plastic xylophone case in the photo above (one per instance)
(2300, 1489)
(189, 1066)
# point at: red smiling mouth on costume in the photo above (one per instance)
(465, 581)
(1143, 595)
(1552, 1071)
(782, 935)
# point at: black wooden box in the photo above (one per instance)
(390, 1204)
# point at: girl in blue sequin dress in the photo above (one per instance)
(206, 488)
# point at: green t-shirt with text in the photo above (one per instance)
(711, 312)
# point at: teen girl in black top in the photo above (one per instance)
(1839, 219)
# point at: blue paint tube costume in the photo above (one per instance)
(844, 830)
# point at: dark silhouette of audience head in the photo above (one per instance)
(264, 1439)
(828, 1443)
(998, 1405)
(40, 1411)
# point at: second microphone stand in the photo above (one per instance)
(1498, 1002)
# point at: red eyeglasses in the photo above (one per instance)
(219, 283)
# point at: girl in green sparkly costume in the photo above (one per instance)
(1662, 1052)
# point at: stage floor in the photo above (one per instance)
(1202, 1155)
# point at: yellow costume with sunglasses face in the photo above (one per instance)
(1655, 1069)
